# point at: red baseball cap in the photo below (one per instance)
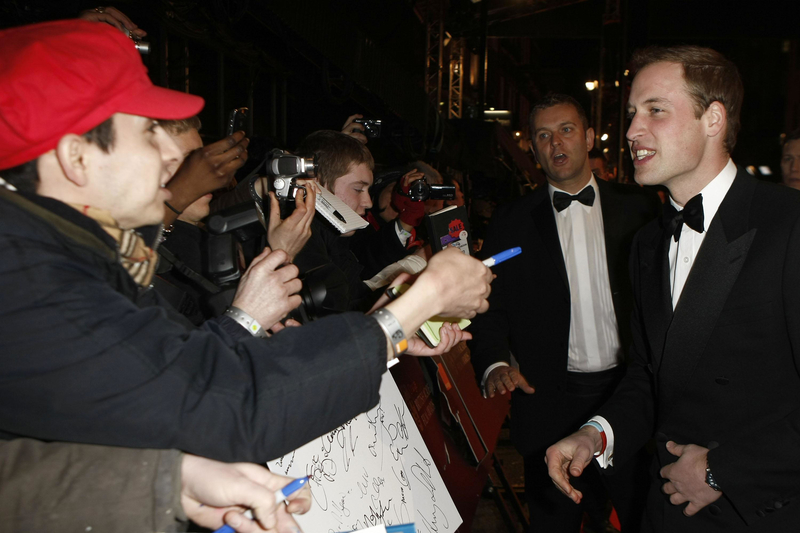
(69, 76)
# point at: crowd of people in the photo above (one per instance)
(141, 388)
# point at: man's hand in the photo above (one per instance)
(291, 234)
(205, 170)
(115, 17)
(504, 379)
(569, 457)
(268, 291)
(461, 284)
(449, 335)
(686, 478)
(354, 129)
(214, 492)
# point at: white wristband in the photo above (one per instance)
(246, 321)
(392, 328)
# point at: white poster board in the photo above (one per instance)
(375, 469)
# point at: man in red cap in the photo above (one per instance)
(84, 358)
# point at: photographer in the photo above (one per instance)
(180, 276)
(84, 359)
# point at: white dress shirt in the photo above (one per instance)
(682, 255)
(594, 343)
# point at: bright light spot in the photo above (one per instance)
(605, 150)
(604, 137)
(764, 169)
(616, 83)
(626, 72)
(590, 86)
(491, 109)
(751, 170)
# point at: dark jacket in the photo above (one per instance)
(85, 358)
(66, 487)
(721, 371)
(529, 312)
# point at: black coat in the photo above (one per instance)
(84, 360)
(529, 313)
(722, 370)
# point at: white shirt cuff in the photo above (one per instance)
(402, 234)
(606, 459)
(486, 375)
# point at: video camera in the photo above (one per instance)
(286, 168)
(420, 190)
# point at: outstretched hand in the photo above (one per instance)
(503, 379)
(205, 170)
(267, 290)
(354, 129)
(686, 478)
(569, 457)
(115, 17)
(292, 233)
(449, 335)
(213, 492)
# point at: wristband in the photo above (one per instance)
(598, 427)
(710, 481)
(246, 321)
(392, 328)
(179, 213)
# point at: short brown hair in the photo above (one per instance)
(25, 177)
(553, 99)
(709, 76)
(179, 127)
(336, 152)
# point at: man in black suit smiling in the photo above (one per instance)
(563, 307)
(716, 332)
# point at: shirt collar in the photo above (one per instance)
(714, 193)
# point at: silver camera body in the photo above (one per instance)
(286, 168)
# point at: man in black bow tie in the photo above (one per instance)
(562, 308)
(716, 333)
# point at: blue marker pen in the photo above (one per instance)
(280, 495)
(502, 256)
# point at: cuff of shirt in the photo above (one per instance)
(606, 459)
(486, 375)
(402, 234)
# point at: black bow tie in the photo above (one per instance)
(561, 200)
(692, 216)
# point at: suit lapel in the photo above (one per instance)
(545, 223)
(656, 307)
(710, 281)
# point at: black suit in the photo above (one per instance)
(722, 370)
(529, 313)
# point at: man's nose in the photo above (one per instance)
(634, 130)
(170, 153)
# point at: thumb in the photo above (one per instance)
(524, 385)
(675, 448)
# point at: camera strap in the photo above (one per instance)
(184, 269)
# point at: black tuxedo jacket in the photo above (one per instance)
(721, 371)
(529, 307)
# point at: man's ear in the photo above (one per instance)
(589, 138)
(71, 153)
(716, 119)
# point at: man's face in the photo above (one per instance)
(667, 142)
(790, 164)
(188, 142)
(353, 188)
(561, 146)
(132, 174)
